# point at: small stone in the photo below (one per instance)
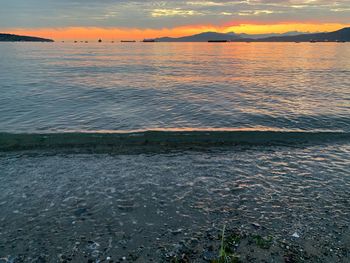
(296, 235)
(209, 255)
(256, 225)
(177, 231)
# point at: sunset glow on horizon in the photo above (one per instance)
(136, 19)
(110, 33)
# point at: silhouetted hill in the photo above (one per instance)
(259, 36)
(340, 35)
(16, 38)
(202, 37)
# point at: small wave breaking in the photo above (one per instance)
(166, 138)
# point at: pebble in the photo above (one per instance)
(296, 235)
(177, 231)
(209, 255)
(256, 225)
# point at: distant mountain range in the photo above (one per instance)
(202, 37)
(16, 38)
(206, 36)
(258, 36)
(340, 35)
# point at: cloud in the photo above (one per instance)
(174, 12)
(165, 13)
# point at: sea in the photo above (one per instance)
(174, 152)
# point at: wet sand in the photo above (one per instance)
(279, 204)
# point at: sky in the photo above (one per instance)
(137, 19)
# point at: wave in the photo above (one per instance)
(166, 138)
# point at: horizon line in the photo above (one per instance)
(116, 33)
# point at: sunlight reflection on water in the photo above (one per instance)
(53, 87)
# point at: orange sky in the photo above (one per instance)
(110, 33)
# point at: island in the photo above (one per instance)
(17, 38)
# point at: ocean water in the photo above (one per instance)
(92, 87)
(140, 152)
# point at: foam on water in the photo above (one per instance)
(91, 206)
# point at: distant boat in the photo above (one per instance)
(75, 41)
(148, 40)
(128, 41)
(100, 40)
(86, 42)
(313, 41)
(217, 41)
